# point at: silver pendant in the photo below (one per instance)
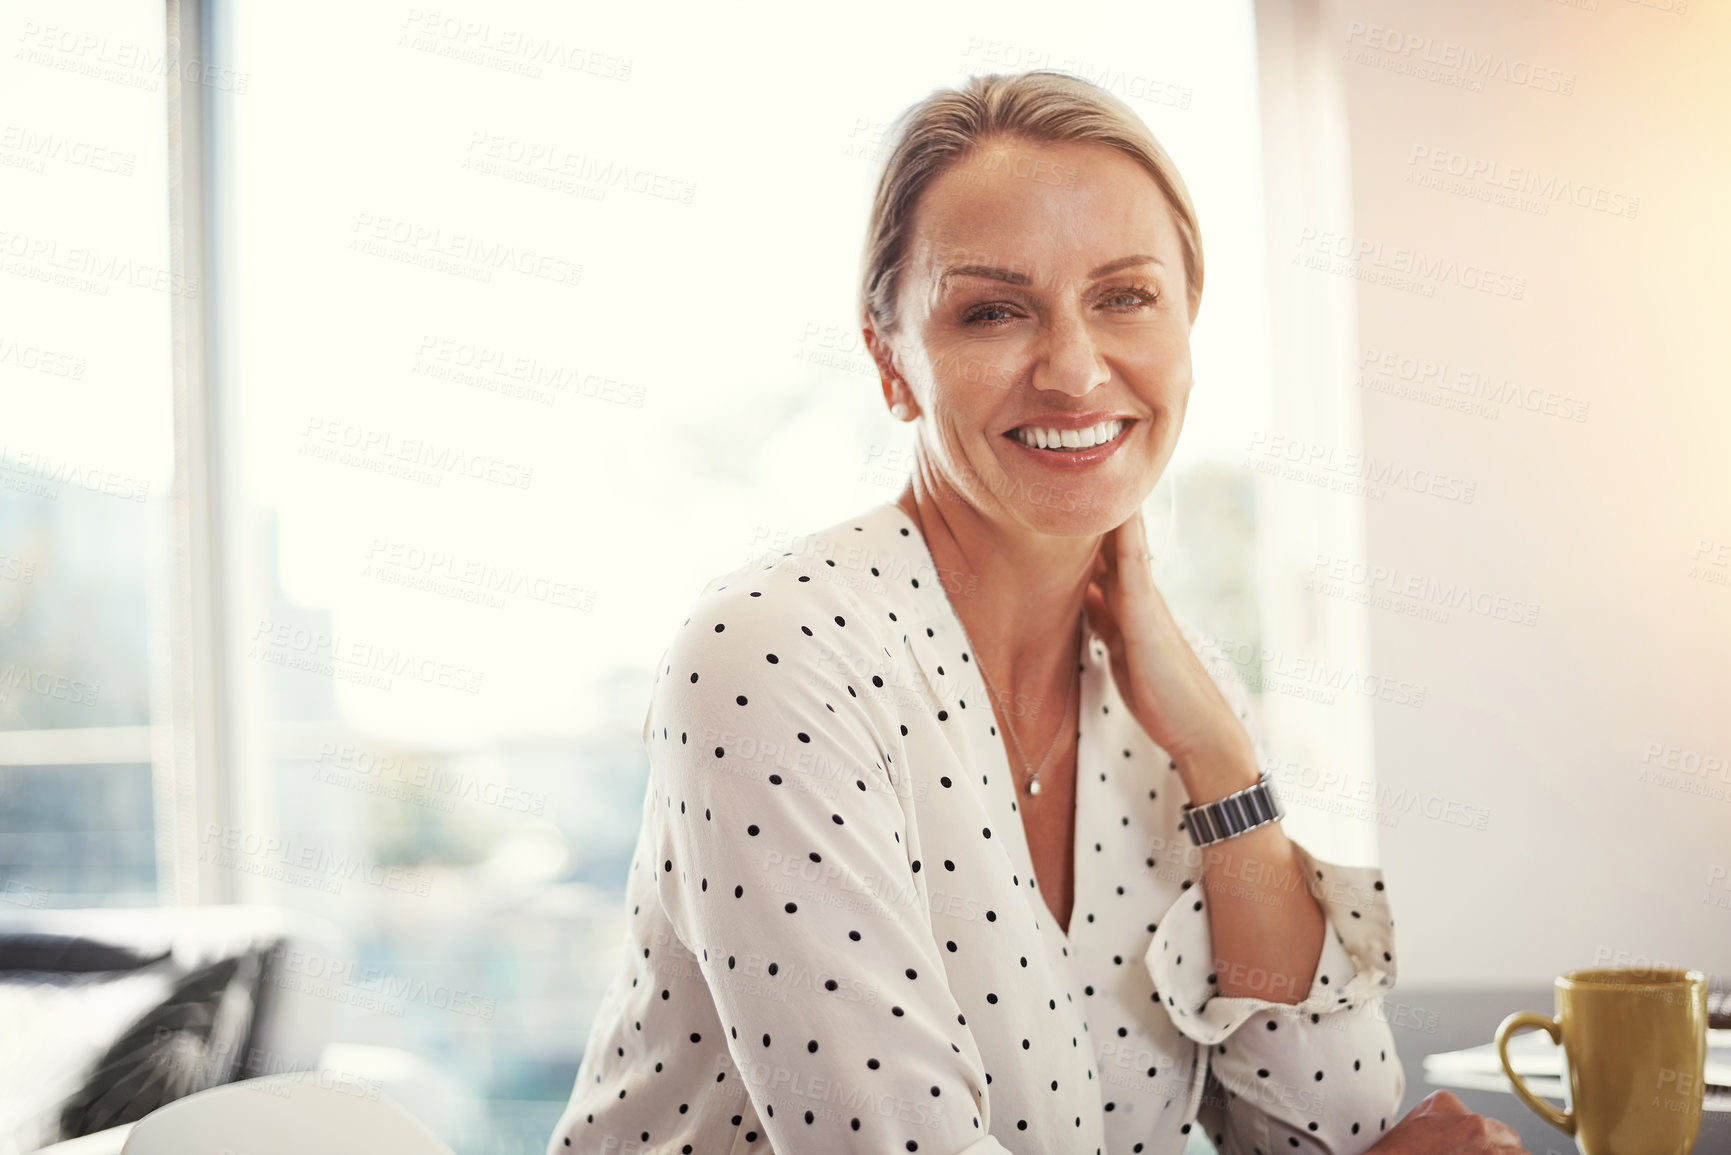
(1033, 786)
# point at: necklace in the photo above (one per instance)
(1034, 773)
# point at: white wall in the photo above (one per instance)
(1544, 729)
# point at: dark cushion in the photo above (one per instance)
(199, 1037)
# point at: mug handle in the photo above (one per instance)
(1563, 1121)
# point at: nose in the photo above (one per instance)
(1071, 362)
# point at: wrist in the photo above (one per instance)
(1212, 770)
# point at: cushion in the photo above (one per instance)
(196, 1038)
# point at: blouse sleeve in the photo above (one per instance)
(783, 868)
(1316, 1076)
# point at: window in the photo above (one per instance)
(86, 448)
(526, 322)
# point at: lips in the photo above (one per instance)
(1079, 428)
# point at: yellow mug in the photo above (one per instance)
(1635, 1045)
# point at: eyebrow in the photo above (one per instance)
(1010, 276)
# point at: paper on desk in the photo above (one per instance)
(1533, 1053)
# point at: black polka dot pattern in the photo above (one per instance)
(837, 941)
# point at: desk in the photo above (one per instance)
(1425, 1021)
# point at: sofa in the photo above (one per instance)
(107, 1014)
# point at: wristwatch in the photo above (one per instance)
(1234, 814)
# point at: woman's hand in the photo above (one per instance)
(1442, 1125)
(1161, 679)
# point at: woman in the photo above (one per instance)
(918, 868)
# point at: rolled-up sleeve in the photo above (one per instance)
(782, 864)
(1319, 1075)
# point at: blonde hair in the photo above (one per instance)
(1040, 106)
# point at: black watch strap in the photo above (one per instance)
(1234, 814)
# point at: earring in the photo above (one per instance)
(899, 411)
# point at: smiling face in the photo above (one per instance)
(1043, 303)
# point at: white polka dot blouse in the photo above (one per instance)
(836, 942)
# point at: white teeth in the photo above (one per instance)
(1069, 438)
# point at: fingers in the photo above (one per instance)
(1100, 616)
(1441, 1117)
(1503, 1135)
(1123, 550)
(1133, 550)
(1109, 552)
(1440, 1103)
(1099, 573)
(1137, 526)
(1125, 546)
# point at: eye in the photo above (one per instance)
(1130, 296)
(983, 315)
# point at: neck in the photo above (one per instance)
(1023, 613)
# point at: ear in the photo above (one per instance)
(897, 395)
